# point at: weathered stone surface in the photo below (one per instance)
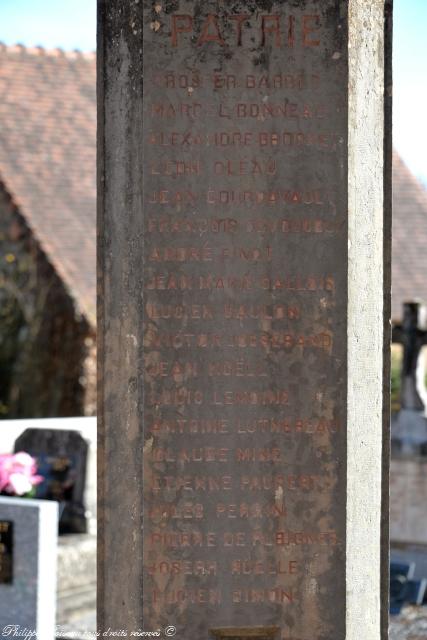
(245, 195)
(223, 329)
(408, 491)
(76, 592)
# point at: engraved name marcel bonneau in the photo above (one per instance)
(16, 631)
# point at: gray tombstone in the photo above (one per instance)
(244, 227)
(28, 559)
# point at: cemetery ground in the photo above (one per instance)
(411, 624)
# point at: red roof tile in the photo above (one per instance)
(48, 157)
(47, 164)
(409, 239)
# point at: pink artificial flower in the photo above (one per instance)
(5, 469)
(18, 473)
(19, 484)
(4, 478)
(24, 463)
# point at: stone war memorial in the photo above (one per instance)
(244, 253)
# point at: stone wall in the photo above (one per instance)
(408, 501)
(42, 339)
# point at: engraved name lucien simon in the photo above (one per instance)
(245, 214)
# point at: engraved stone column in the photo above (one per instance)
(244, 234)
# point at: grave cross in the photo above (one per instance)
(413, 339)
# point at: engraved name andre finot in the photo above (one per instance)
(245, 218)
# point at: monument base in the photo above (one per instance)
(76, 595)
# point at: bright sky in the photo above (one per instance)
(68, 24)
(71, 24)
(410, 84)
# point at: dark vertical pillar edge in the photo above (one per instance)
(120, 304)
(100, 315)
(388, 206)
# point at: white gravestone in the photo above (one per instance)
(28, 547)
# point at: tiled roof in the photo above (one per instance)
(48, 156)
(409, 238)
(47, 164)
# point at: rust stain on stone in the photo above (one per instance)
(244, 413)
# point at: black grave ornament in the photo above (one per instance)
(409, 425)
(61, 459)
